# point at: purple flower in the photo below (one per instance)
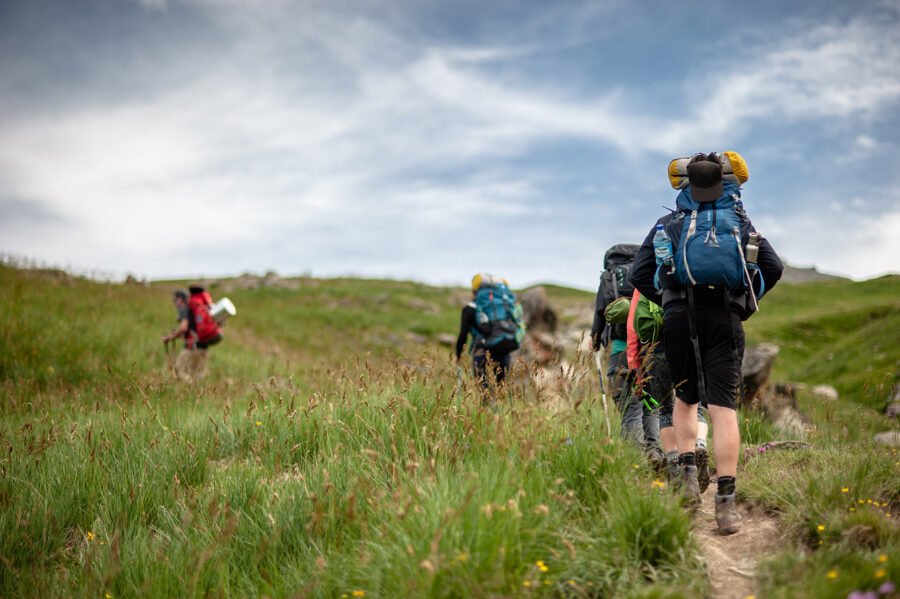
(855, 595)
(887, 588)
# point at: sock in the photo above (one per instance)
(726, 485)
(672, 456)
(688, 459)
(701, 443)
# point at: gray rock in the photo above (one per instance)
(888, 439)
(446, 339)
(825, 392)
(893, 410)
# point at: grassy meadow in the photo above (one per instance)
(334, 451)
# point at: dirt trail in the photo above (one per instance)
(731, 561)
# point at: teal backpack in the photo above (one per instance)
(499, 324)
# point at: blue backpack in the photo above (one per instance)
(709, 240)
(499, 324)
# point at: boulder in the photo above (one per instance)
(756, 370)
(893, 410)
(539, 315)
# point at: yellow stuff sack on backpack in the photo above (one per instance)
(734, 169)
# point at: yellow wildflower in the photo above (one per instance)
(880, 573)
(526, 583)
(750, 597)
(820, 527)
(852, 509)
(547, 583)
(845, 489)
(107, 596)
(882, 558)
(571, 583)
(259, 423)
(658, 484)
(635, 466)
(359, 593)
(831, 575)
(541, 565)
(90, 536)
(463, 557)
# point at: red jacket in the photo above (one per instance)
(633, 349)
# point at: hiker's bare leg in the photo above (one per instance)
(726, 439)
(702, 430)
(685, 419)
(667, 438)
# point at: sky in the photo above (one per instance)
(430, 140)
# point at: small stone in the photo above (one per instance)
(888, 438)
(893, 410)
(825, 392)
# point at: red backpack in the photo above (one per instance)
(205, 326)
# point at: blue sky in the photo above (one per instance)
(431, 140)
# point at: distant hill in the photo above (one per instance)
(796, 274)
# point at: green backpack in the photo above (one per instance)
(617, 311)
(648, 321)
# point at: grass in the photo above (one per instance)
(331, 451)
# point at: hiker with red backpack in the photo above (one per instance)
(653, 383)
(198, 328)
(707, 267)
(494, 321)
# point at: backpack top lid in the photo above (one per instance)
(482, 281)
(731, 193)
(619, 254)
(734, 170)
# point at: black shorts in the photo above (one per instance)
(208, 342)
(721, 338)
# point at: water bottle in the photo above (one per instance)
(753, 247)
(662, 247)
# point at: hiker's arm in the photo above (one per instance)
(599, 320)
(178, 331)
(769, 265)
(644, 268)
(465, 325)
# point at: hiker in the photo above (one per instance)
(198, 328)
(707, 267)
(647, 362)
(494, 321)
(639, 421)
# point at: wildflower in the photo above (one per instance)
(548, 583)
(658, 484)
(358, 593)
(541, 565)
(542, 509)
(820, 527)
(259, 423)
(635, 466)
(882, 558)
(860, 501)
(880, 573)
(107, 596)
(90, 536)
(463, 557)
(526, 583)
(571, 583)
(831, 575)
(887, 588)
(845, 489)
(852, 509)
(750, 597)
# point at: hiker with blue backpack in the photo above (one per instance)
(494, 321)
(609, 331)
(707, 267)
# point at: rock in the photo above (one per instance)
(825, 392)
(888, 439)
(446, 339)
(756, 369)
(539, 315)
(893, 410)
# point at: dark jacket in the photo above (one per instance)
(644, 268)
(466, 324)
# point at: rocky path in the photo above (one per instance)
(731, 561)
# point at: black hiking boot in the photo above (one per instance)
(702, 468)
(657, 460)
(727, 517)
(691, 487)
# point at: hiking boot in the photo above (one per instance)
(657, 460)
(727, 518)
(702, 468)
(673, 472)
(691, 486)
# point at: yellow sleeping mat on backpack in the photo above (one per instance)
(734, 169)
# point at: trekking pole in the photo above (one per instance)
(599, 359)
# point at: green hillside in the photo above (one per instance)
(333, 451)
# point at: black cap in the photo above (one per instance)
(705, 174)
(181, 294)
